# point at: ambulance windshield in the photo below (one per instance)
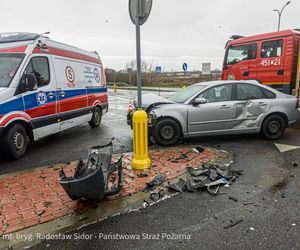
(9, 64)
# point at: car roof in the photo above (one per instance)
(253, 82)
(220, 82)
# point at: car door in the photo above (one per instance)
(249, 107)
(41, 104)
(214, 115)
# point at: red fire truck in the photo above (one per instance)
(272, 59)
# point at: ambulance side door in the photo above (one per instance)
(41, 103)
(71, 93)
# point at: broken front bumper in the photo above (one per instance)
(91, 180)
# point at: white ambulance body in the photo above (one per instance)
(46, 87)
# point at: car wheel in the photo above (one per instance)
(273, 127)
(15, 142)
(96, 118)
(167, 132)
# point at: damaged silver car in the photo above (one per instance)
(220, 108)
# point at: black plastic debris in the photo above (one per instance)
(196, 171)
(91, 179)
(157, 196)
(233, 223)
(178, 186)
(233, 198)
(189, 155)
(206, 177)
(155, 182)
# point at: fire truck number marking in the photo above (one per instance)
(270, 62)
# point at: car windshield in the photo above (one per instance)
(185, 94)
(9, 64)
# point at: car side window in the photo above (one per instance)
(248, 91)
(39, 66)
(217, 94)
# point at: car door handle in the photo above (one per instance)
(262, 104)
(225, 107)
(51, 95)
(62, 94)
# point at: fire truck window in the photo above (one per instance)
(39, 66)
(241, 53)
(271, 49)
(248, 91)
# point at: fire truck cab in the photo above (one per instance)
(272, 59)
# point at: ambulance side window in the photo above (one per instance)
(39, 66)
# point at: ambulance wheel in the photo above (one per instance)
(96, 118)
(15, 142)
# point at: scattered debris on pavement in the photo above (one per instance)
(209, 177)
(233, 223)
(96, 178)
(158, 180)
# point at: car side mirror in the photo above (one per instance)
(199, 101)
(28, 83)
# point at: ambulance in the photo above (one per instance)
(46, 87)
(272, 59)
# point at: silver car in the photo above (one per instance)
(220, 108)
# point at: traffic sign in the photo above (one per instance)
(140, 9)
(158, 70)
(184, 67)
(206, 68)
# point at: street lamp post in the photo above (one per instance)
(280, 13)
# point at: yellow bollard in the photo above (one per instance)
(140, 159)
(115, 88)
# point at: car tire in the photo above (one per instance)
(273, 127)
(96, 118)
(167, 132)
(15, 142)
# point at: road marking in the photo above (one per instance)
(284, 147)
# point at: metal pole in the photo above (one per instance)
(279, 21)
(130, 79)
(138, 61)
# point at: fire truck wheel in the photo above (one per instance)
(15, 142)
(273, 127)
(96, 118)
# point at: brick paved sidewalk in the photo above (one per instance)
(34, 197)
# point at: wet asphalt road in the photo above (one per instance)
(271, 219)
(270, 184)
(72, 144)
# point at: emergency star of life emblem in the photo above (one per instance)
(41, 98)
(70, 74)
(97, 75)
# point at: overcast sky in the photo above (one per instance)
(177, 31)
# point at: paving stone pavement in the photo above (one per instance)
(33, 197)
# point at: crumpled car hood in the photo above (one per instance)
(150, 98)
